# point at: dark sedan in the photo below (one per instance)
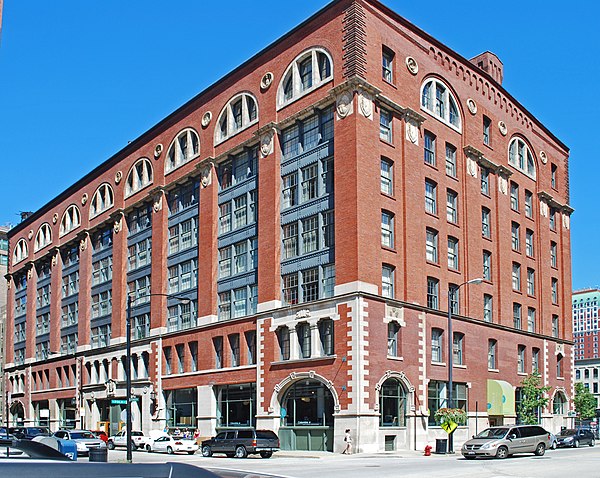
(574, 438)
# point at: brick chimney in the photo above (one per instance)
(491, 64)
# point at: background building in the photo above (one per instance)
(3, 294)
(291, 239)
(585, 323)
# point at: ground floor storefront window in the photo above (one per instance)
(67, 413)
(392, 404)
(437, 397)
(182, 408)
(236, 405)
(42, 413)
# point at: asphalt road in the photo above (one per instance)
(562, 463)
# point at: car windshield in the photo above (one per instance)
(82, 435)
(568, 432)
(492, 433)
(36, 431)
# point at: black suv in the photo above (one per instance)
(29, 433)
(575, 438)
(241, 443)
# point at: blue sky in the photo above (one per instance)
(79, 79)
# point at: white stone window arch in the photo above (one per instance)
(103, 199)
(521, 157)
(21, 251)
(439, 101)
(43, 237)
(140, 176)
(71, 220)
(184, 148)
(239, 113)
(311, 69)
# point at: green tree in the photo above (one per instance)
(532, 399)
(585, 402)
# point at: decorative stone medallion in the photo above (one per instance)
(266, 80)
(30, 234)
(344, 104)
(412, 131)
(158, 149)
(543, 157)
(55, 218)
(566, 221)
(543, 208)
(266, 144)
(118, 177)
(206, 175)
(412, 65)
(84, 199)
(206, 119)
(365, 101)
(157, 202)
(472, 106)
(503, 184)
(472, 167)
(502, 127)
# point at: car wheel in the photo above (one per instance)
(540, 449)
(206, 451)
(266, 454)
(502, 453)
(148, 448)
(134, 446)
(593, 442)
(110, 445)
(576, 444)
(553, 446)
(169, 450)
(240, 452)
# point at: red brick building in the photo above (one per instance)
(290, 238)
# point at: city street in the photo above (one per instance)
(558, 463)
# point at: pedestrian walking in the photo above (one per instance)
(347, 442)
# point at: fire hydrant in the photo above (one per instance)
(427, 450)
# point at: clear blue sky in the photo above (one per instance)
(79, 79)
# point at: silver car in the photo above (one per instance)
(84, 439)
(500, 442)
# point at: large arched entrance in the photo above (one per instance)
(307, 407)
(17, 414)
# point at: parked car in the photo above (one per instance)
(28, 433)
(570, 437)
(168, 444)
(84, 439)
(504, 441)
(138, 440)
(553, 441)
(241, 443)
(101, 434)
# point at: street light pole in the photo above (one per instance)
(451, 353)
(128, 378)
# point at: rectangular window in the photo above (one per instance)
(225, 262)
(283, 338)
(488, 302)
(555, 326)
(437, 397)
(450, 160)
(429, 148)
(530, 281)
(387, 65)
(535, 360)
(393, 334)
(218, 348)
(290, 240)
(240, 212)
(516, 276)
(521, 359)
(552, 219)
(529, 242)
(452, 206)
(326, 336)
(290, 289)
(453, 296)
(310, 234)
(514, 196)
(240, 257)
(553, 257)
(433, 291)
(486, 230)
(458, 341)
(555, 291)
(179, 350)
(487, 265)
(290, 143)
(431, 245)
(492, 344)
(387, 177)
(234, 345)
(430, 197)
(385, 126)
(530, 319)
(224, 305)
(553, 176)
(304, 339)
(251, 346)
(517, 316)
(290, 190)
(193, 346)
(485, 181)
(528, 204)
(516, 242)
(487, 123)
(452, 253)
(387, 281)
(224, 218)
(310, 284)
(387, 229)
(436, 345)
(309, 182)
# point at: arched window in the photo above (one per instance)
(392, 404)
(520, 156)
(307, 403)
(71, 220)
(21, 251)
(139, 177)
(43, 237)
(239, 113)
(184, 148)
(306, 73)
(103, 199)
(438, 100)
(559, 404)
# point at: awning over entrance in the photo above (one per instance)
(500, 398)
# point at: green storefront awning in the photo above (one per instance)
(500, 398)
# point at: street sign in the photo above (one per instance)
(449, 426)
(118, 402)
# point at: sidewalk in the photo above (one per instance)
(329, 455)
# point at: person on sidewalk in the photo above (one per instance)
(348, 442)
